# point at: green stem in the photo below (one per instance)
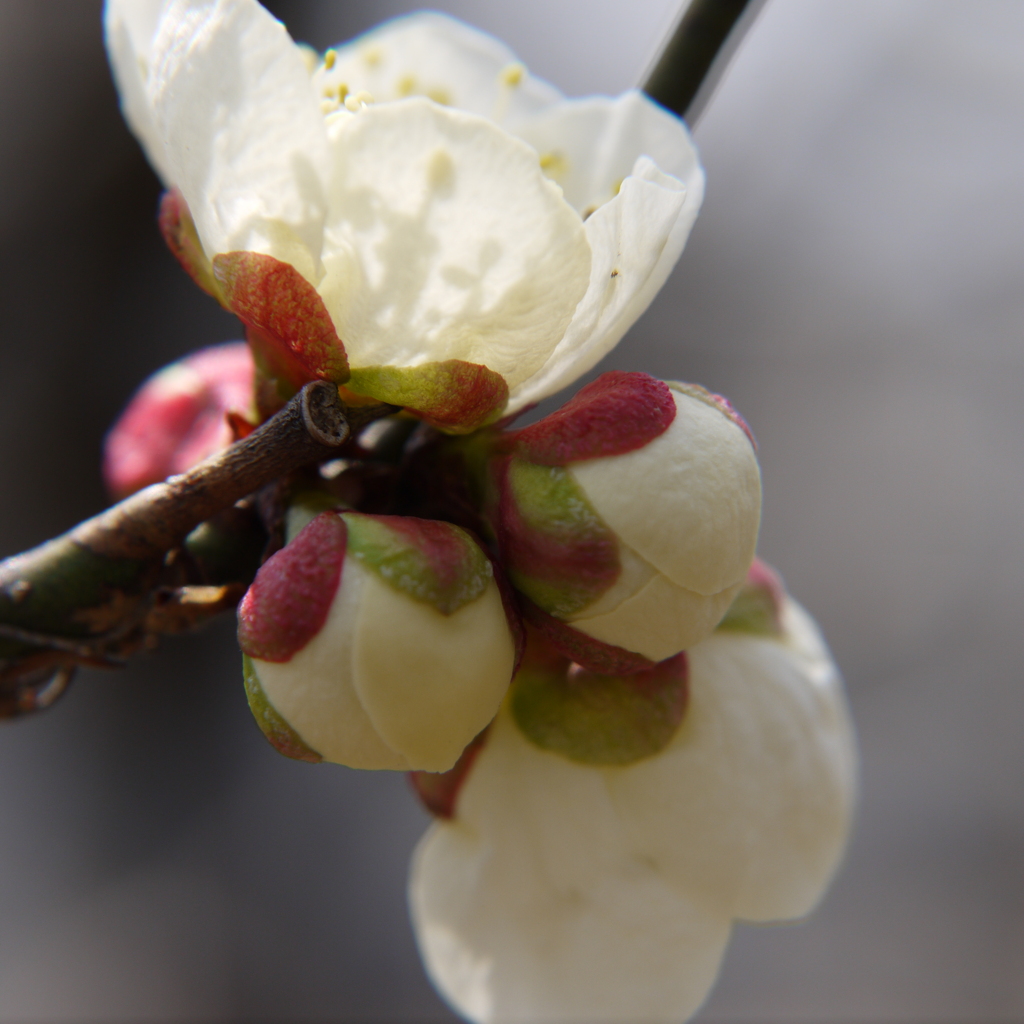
(695, 55)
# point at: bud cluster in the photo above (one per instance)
(628, 735)
(387, 626)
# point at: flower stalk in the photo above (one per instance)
(688, 67)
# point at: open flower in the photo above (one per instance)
(563, 890)
(458, 260)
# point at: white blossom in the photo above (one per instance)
(510, 228)
(564, 892)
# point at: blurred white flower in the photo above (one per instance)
(509, 229)
(564, 892)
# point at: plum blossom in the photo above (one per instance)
(416, 218)
(464, 240)
(563, 891)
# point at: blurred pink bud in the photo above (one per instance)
(181, 415)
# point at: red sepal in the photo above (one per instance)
(288, 602)
(179, 231)
(288, 323)
(617, 413)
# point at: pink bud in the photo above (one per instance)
(179, 417)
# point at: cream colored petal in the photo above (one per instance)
(589, 146)
(689, 502)
(446, 242)
(635, 240)
(533, 907)
(753, 798)
(433, 55)
(429, 682)
(128, 28)
(314, 693)
(660, 620)
(244, 138)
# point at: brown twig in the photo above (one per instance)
(310, 428)
(98, 593)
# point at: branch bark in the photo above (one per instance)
(97, 593)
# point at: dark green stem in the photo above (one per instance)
(693, 59)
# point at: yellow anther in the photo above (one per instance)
(511, 74)
(342, 91)
(554, 164)
(441, 96)
(364, 97)
(372, 55)
(329, 58)
(351, 103)
(405, 86)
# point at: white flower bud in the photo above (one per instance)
(376, 642)
(632, 513)
(567, 892)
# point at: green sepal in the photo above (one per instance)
(559, 552)
(598, 719)
(452, 395)
(281, 736)
(430, 561)
(756, 608)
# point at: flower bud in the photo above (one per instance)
(179, 417)
(632, 512)
(376, 642)
(565, 891)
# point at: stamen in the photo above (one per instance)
(361, 99)
(554, 164)
(329, 58)
(511, 74)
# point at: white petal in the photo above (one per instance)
(446, 242)
(689, 502)
(659, 620)
(313, 691)
(129, 27)
(244, 138)
(431, 684)
(634, 169)
(753, 798)
(635, 240)
(533, 907)
(429, 54)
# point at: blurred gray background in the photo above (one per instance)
(855, 284)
